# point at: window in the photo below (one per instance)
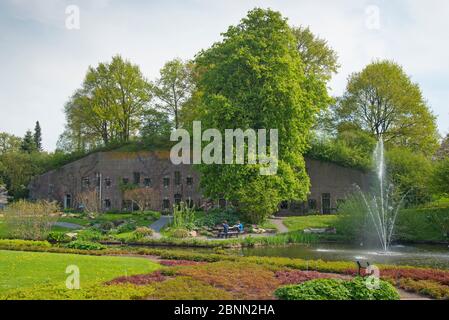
(177, 178)
(125, 180)
(326, 203)
(68, 201)
(189, 181)
(312, 204)
(85, 182)
(98, 180)
(107, 204)
(147, 182)
(136, 176)
(284, 205)
(51, 188)
(166, 182)
(178, 199)
(166, 204)
(107, 182)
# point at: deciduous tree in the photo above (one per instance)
(382, 100)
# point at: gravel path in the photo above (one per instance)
(278, 222)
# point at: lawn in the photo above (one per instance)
(23, 270)
(304, 222)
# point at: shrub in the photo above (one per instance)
(360, 291)
(180, 233)
(141, 233)
(319, 289)
(140, 279)
(89, 292)
(336, 289)
(426, 287)
(85, 245)
(23, 243)
(90, 235)
(127, 227)
(58, 237)
(297, 276)
(242, 280)
(216, 216)
(30, 220)
(183, 216)
(185, 288)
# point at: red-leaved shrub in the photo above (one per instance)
(140, 279)
(296, 276)
(174, 263)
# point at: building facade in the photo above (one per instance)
(108, 177)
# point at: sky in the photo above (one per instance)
(44, 53)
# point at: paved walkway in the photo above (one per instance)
(162, 222)
(278, 222)
(405, 295)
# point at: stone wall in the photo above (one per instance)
(106, 173)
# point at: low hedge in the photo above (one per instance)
(85, 245)
(336, 289)
(13, 244)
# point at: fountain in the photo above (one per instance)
(381, 204)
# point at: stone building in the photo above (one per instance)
(107, 175)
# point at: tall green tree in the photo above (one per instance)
(174, 87)
(319, 59)
(443, 150)
(382, 100)
(37, 136)
(109, 105)
(440, 177)
(156, 126)
(254, 78)
(28, 145)
(9, 143)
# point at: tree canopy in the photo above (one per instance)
(108, 106)
(255, 78)
(382, 100)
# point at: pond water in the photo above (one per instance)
(414, 255)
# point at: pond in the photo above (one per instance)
(436, 256)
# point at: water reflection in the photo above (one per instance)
(416, 255)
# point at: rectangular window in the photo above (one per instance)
(107, 182)
(189, 181)
(147, 182)
(312, 205)
(177, 178)
(107, 204)
(98, 180)
(166, 204)
(136, 176)
(85, 182)
(326, 203)
(166, 182)
(125, 180)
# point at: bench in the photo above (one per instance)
(230, 234)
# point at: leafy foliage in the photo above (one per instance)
(254, 78)
(382, 100)
(30, 220)
(85, 245)
(335, 289)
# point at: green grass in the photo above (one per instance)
(304, 222)
(20, 270)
